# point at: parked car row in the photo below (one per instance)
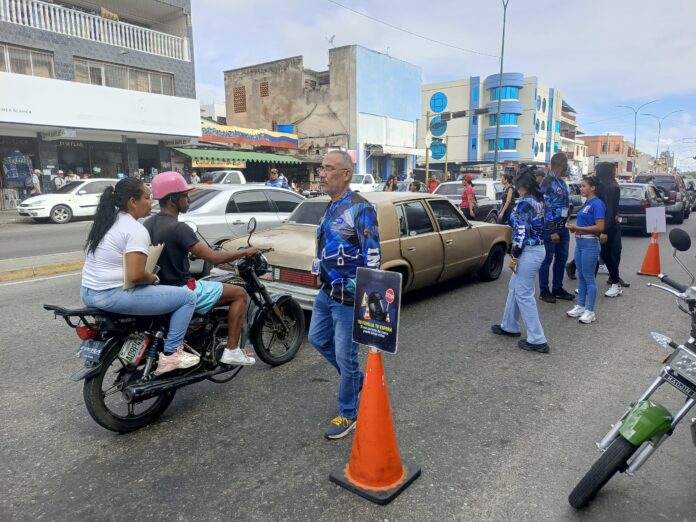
(678, 199)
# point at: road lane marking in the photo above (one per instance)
(35, 279)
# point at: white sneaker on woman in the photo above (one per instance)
(179, 360)
(614, 291)
(588, 317)
(577, 311)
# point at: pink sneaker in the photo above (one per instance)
(178, 360)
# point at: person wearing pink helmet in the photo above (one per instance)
(172, 192)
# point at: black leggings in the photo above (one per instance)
(611, 254)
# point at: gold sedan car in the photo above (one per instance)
(423, 236)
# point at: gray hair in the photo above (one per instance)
(346, 160)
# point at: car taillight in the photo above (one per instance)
(298, 277)
(86, 332)
(645, 203)
(673, 195)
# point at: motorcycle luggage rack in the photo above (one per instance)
(68, 314)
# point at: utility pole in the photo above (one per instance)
(427, 146)
(500, 94)
(446, 157)
(659, 131)
(635, 131)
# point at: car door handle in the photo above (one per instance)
(449, 241)
(411, 249)
(238, 222)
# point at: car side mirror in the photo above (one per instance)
(82, 192)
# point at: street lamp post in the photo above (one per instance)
(659, 130)
(635, 131)
(500, 94)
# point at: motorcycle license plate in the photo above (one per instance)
(91, 350)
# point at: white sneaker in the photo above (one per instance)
(576, 291)
(603, 269)
(577, 311)
(614, 291)
(588, 317)
(236, 357)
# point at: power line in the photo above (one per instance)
(412, 33)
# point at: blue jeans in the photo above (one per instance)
(559, 251)
(521, 301)
(331, 333)
(586, 255)
(148, 300)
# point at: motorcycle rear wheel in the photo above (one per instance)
(107, 407)
(612, 460)
(270, 343)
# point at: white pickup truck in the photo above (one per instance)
(362, 183)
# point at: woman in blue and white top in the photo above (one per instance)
(528, 253)
(589, 224)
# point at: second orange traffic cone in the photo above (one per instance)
(651, 263)
(375, 470)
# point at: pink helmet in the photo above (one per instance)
(167, 183)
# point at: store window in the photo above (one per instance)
(18, 159)
(20, 60)
(121, 77)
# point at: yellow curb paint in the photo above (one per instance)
(36, 271)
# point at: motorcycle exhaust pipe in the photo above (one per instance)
(141, 392)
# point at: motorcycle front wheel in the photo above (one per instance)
(106, 403)
(612, 460)
(275, 344)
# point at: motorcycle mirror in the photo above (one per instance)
(660, 339)
(192, 226)
(251, 226)
(679, 239)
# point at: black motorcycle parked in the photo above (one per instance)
(120, 352)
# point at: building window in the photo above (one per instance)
(541, 149)
(474, 120)
(536, 149)
(263, 88)
(617, 147)
(19, 60)
(239, 98)
(543, 125)
(473, 143)
(548, 146)
(604, 147)
(555, 146)
(475, 94)
(537, 125)
(121, 77)
(539, 103)
(503, 144)
(558, 126)
(543, 105)
(505, 119)
(509, 93)
(310, 84)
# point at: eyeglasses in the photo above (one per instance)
(328, 169)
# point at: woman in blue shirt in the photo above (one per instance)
(589, 224)
(528, 252)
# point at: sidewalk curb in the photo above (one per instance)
(42, 270)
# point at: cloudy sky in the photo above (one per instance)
(598, 53)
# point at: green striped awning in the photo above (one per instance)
(236, 155)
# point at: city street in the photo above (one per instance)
(28, 238)
(500, 434)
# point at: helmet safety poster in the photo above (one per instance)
(376, 309)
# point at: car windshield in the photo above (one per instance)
(68, 187)
(308, 213)
(450, 189)
(632, 192)
(358, 178)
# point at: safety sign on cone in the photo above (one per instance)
(651, 262)
(375, 470)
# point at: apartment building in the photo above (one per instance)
(99, 87)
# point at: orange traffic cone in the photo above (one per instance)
(651, 263)
(375, 470)
(366, 315)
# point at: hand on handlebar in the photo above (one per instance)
(250, 252)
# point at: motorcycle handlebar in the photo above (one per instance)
(674, 284)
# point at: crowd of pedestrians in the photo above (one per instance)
(541, 242)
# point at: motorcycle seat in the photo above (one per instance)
(78, 312)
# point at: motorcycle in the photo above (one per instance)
(120, 352)
(647, 424)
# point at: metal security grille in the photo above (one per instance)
(264, 89)
(239, 97)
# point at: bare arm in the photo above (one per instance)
(203, 251)
(508, 200)
(135, 261)
(597, 228)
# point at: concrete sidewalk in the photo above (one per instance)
(35, 266)
(12, 216)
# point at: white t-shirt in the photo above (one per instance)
(104, 268)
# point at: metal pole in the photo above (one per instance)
(446, 158)
(659, 132)
(635, 131)
(500, 94)
(427, 148)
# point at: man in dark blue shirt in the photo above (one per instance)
(556, 236)
(347, 238)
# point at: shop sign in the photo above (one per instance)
(179, 142)
(73, 144)
(58, 134)
(215, 164)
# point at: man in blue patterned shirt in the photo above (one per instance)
(556, 236)
(347, 238)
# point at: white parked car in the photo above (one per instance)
(362, 183)
(221, 212)
(225, 177)
(488, 188)
(74, 199)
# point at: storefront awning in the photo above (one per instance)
(216, 155)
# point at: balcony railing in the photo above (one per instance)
(58, 19)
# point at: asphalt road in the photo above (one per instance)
(34, 239)
(500, 434)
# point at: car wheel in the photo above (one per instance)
(61, 214)
(678, 219)
(492, 218)
(492, 268)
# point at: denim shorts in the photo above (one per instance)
(207, 294)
